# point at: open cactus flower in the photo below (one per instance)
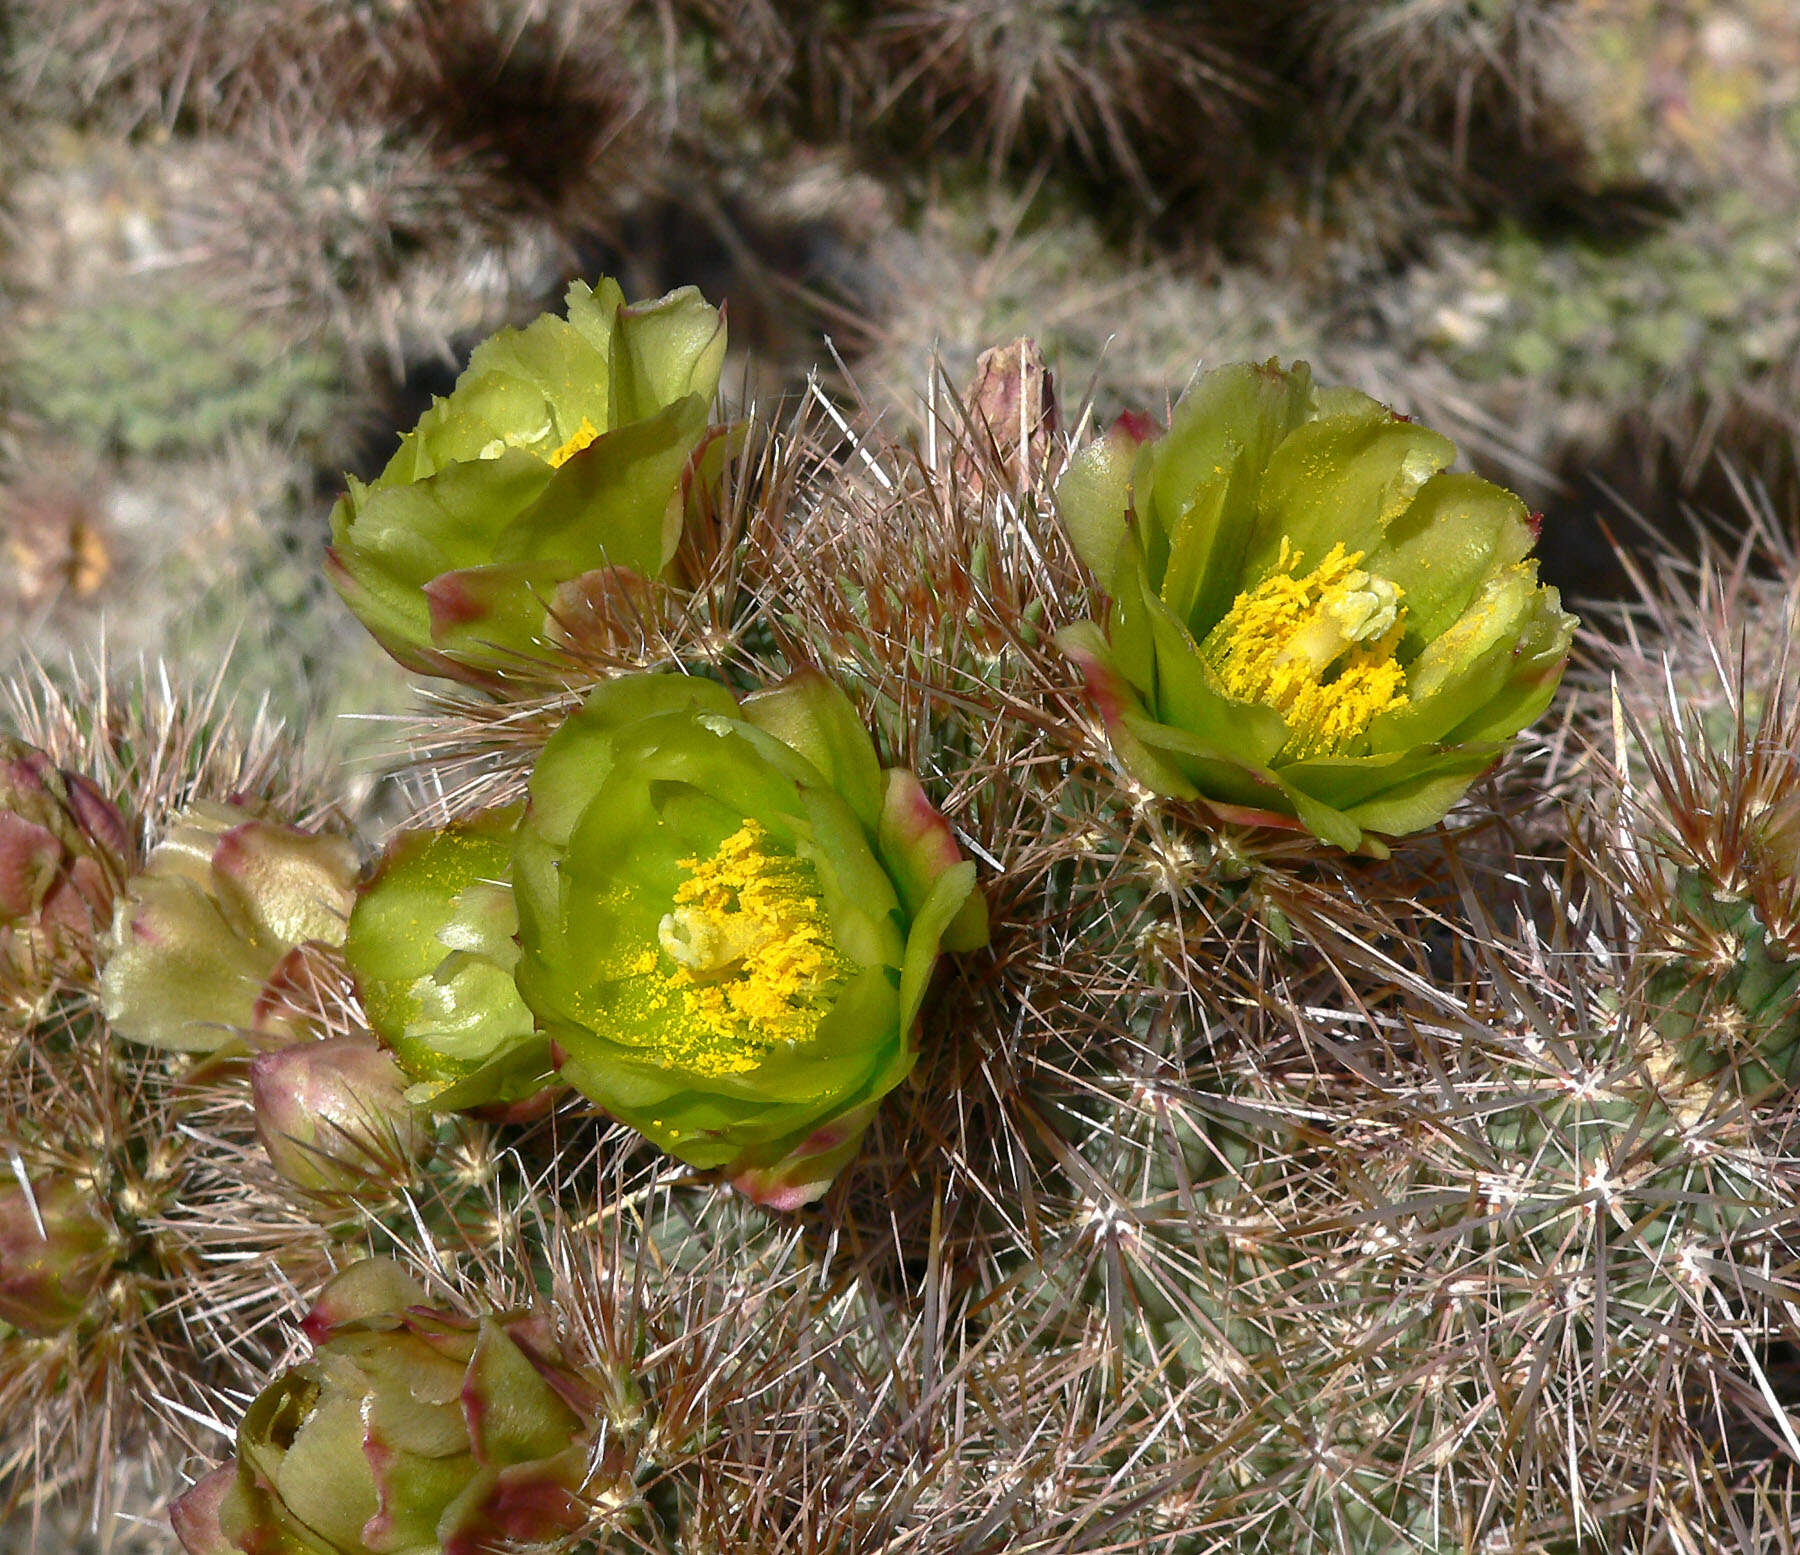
(729, 915)
(554, 473)
(1314, 623)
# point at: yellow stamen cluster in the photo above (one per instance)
(1319, 649)
(748, 952)
(582, 436)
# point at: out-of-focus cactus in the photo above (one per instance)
(172, 373)
(1313, 621)
(729, 916)
(64, 852)
(561, 461)
(57, 1246)
(432, 944)
(411, 1428)
(229, 901)
(334, 1117)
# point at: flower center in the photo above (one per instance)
(1319, 649)
(750, 954)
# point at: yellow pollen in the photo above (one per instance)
(1319, 649)
(584, 434)
(748, 952)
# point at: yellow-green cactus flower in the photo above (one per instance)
(562, 458)
(729, 914)
(432, 945)
(1313, 621)
(229, 902)
(411, 1429)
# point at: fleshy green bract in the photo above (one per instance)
(729, 915)
(1314, 622)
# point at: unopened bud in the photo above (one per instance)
(211, 922)
(334, 1118)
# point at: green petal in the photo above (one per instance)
(1207, 472)
(1424, 800)
(431, 945)
(492, 616)
(1117, 703)
(860, 899)
(485, 412)
(388, 543)
(578, 756)
(1093, 495)
(594, 312)
(512, 1414)
(948, 893)
(613, 503)
(813, 715)
(181, 978)
(1538, 660)
(1465, 666)
(916, 846)
(1459, 531)
(1187, 698)
(323, 1479)
(665, 350)
(1342, 479)
(1349, 782)
(1130, 637)
(1208, 768)
(369, 1290)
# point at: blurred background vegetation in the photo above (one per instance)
(246, 239)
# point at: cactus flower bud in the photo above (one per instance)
(1314, 623)
(64, 852)
(334, 1117)
(729, 915)
(563, 455)
(432, 944)
(226, 900)
(411, 1429)
(57, 1246)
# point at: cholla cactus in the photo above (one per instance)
(1224, 1187)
